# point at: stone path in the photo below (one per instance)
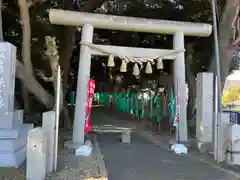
(143, 160)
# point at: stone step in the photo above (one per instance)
(13, 159)
(15, 133)
(14, 144)
(11, 120)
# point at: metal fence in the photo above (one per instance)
(234, 116)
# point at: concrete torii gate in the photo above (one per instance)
(89, 21)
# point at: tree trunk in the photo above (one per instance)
(67, 43)
(26, 46)
(26, 35)
(24, 71)
(191, 82)
(191, 106)
(227, 41)
(167, 83)
(52, 53)
(34, 87)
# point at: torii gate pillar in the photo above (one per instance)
(180, 86)
(82, 83)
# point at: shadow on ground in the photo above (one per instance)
(143, 160)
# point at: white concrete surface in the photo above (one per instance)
(36, 154)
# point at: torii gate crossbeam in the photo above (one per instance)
(122, 23)
(89, 21)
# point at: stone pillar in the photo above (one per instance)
(223, 139)
(13, 133)
(36, 154)
(204, 103)
(48, 124)
(180, 86)
(82, 86)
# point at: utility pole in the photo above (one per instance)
(218, 90)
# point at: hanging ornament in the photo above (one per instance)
(136, 70)
(148, 69)
(111, 61)
(159, 63)
(123, 67)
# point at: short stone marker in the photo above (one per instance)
(126, 136)
(36, 154)
(48, 119)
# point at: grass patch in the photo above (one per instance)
(236, 108)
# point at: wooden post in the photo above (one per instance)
(180, 82)
(82, 83)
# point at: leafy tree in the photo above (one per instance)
(232, 94)
(25, 24)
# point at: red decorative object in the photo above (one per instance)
(91, 89)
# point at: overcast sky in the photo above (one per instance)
(234, 76)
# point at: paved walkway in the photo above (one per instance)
(143, 160)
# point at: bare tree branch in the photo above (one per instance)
(40, 74)
(236, 28)
(236, 42)
(235, 25)
(32, 3)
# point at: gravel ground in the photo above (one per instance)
(67, 167)
(70, 167)
(12, 173)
